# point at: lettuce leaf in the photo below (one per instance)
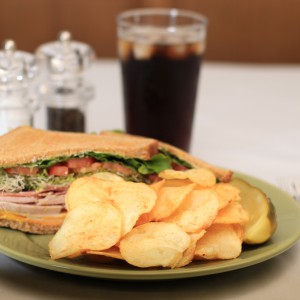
(156, 164)
(176, 159)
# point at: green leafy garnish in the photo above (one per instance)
(156, 164)
(141, 168)
(176, 159)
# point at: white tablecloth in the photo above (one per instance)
(247, 119)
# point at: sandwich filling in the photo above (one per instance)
(38, 189)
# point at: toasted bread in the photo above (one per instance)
(30, 227)
(27, 145)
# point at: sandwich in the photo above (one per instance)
(37, 167)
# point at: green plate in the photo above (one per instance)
(33, 249)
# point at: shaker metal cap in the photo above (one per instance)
(17, 68)
(65, 57)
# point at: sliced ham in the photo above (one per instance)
(43, 203)
(16, 199)
(39, 198)
(19, 194)
(52, 199)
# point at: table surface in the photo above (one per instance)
(246, 119)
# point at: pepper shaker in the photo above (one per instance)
(18, 69)
(63, 87)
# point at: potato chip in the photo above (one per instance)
(107, 176)
(197, 212)
(203, 177)
(168, 200)
(233, 213)
(75, 254)
(92, 226)
(221, 241)
(154, 244)
(86, 189)
(133, 199)
(176, 182)
(157, 185)
(173, 174)
(144, 218)
(185, 216)
(188, 254)
(113, 252)
(226, 193)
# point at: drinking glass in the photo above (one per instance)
(161, 51)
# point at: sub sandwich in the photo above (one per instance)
(38, 166)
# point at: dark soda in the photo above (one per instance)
(160, 87)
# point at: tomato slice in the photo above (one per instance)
(153, 178)
(119, 168)
(22, 170)
(178, 167)
(78, 163)
(58, 170)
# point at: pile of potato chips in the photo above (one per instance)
(184, 217)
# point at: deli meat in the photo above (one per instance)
(52, 199)
(14, 199)
(47, 202)
(19, 194)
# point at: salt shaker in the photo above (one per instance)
(18, 69)
(63, 87)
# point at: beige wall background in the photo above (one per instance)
(262, 31)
